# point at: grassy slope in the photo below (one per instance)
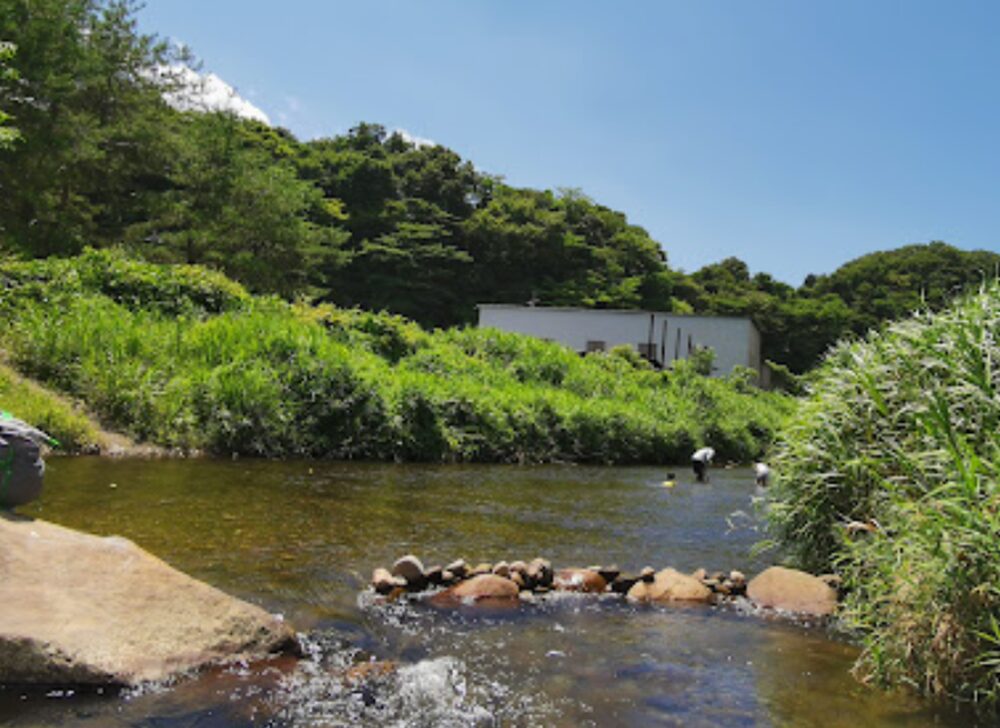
(902, 431)
(185, 358)
(48, 411)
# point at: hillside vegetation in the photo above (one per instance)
(91, 154)
(888, 474)
(183, 357)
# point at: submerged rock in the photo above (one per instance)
(363, 672)
(80, 609)
(792, 590)
(670, 585)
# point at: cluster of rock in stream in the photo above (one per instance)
(777, 588)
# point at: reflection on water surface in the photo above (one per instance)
(301, 538)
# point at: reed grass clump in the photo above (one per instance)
(220, 371)
(888, 474)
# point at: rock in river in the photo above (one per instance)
(410, 568)
(792, 591)
(81, 609)
(579, 580)
(483, 586)
(670, 585)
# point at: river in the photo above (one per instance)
(301, 539)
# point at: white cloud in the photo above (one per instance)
(415, 140)
(206, 92)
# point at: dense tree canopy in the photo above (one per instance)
(365, 218)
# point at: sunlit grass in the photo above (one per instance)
(902, 432)
(50, 413)
(227, 373)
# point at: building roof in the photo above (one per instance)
(633, 311)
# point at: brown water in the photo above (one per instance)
(301, 538)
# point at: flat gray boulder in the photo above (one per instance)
(79, 609)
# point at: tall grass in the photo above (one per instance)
(41, 408)
(224, 372)
(901, 433)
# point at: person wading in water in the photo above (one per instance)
(700, 461)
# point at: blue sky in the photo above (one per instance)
(794, 135)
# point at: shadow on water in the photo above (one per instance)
(301, 538)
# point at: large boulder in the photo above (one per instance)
(81, 609)
(792, 591)
(670, 585)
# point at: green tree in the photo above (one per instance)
(8, 75)
(90, 115)
(232, 206)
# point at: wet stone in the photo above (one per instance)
(410, 568)
(383, 582)
(435, 575)
(623, 582)
(609, 573)
(580, 580)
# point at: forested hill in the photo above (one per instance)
(364, 219)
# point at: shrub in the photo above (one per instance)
(888, 474)
(262, 377)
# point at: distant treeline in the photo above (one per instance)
(91, 155)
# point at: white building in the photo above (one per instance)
(660, 337)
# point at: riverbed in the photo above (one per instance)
(301, 539)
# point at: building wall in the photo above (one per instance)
(735, 341)
(570, 326)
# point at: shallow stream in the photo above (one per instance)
(301, 539)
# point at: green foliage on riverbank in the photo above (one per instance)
(901, 434)
(29, 402)
(209, 367)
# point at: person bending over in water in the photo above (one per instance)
(761, 474)
(21, 464)
(700, 461)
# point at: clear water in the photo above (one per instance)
(301, 538)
